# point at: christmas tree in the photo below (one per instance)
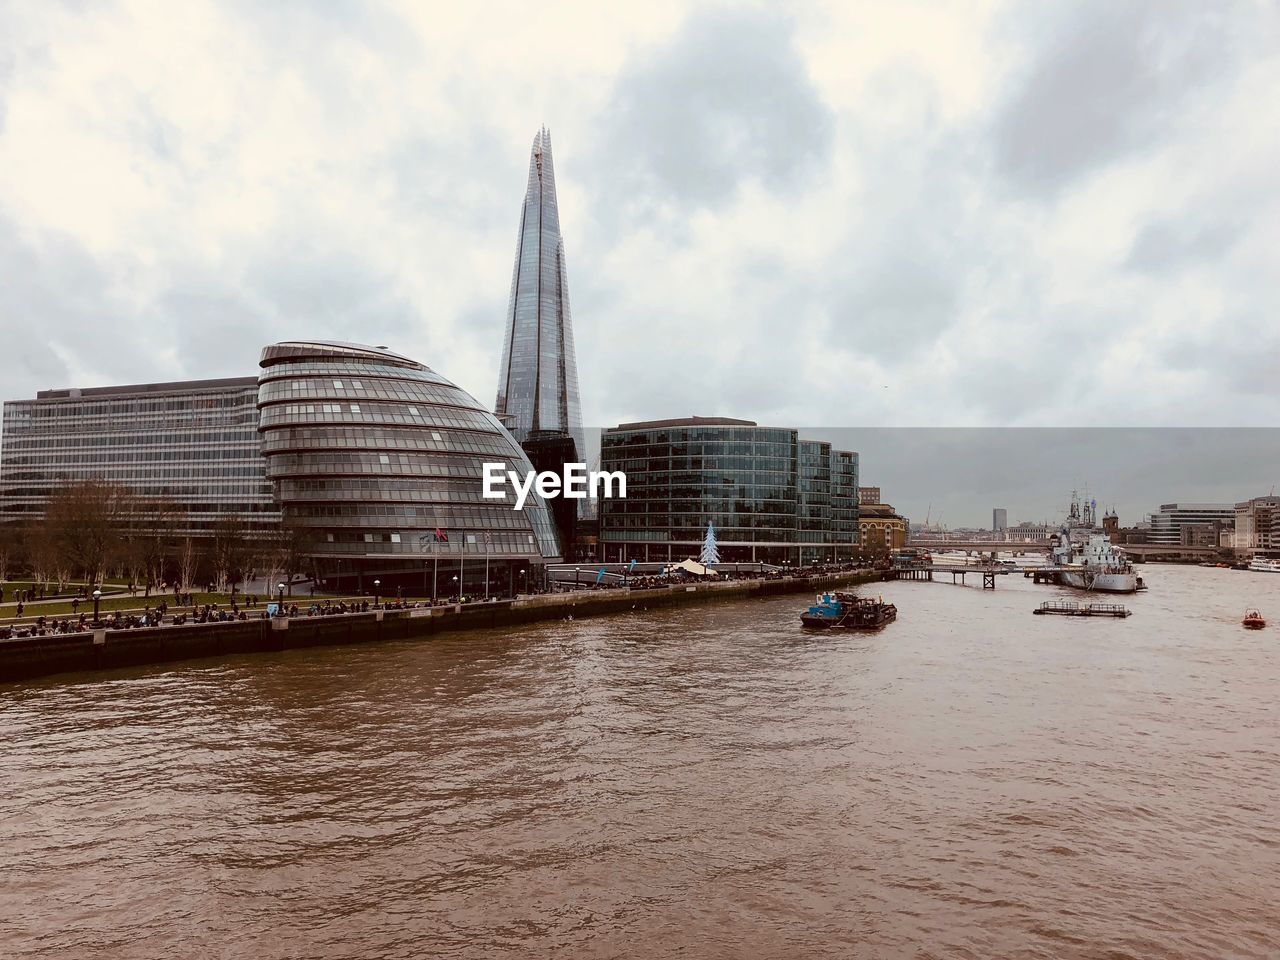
(710, 554)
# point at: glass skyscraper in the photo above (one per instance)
(538, 379)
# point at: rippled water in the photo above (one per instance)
(708, 782)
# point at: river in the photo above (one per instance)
(698, 782)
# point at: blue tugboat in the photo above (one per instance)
(848, 612)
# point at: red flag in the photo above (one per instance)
(441, 536)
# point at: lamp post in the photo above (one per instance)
(455, 588)
(523, 574)
(377, 592)
(280, 599)
(576, 571)
(97, 595)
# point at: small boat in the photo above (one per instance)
(848, 612)
(1253, 620)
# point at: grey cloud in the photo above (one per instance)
(1165, 245)
(726, 100)
(1107, 79)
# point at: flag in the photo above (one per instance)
(631, 569)
(441, 536)
(600, 575)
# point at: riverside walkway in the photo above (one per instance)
(28, 657)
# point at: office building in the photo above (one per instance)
(772, 497)
(192, 444)
(1167, 523)
(380, 459)
(868, 494)
(1257, 525)
(999, 519)
(538, 378)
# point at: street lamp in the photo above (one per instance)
(97, 595)
(576, 571)
(377, 591)
(280, 599)
(455, 588)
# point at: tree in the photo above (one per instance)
(187, 559)
(295, 548)
(710, 552)
(232, 551)
(85, 521)
(10, 548)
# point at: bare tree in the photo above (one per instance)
(85, 521)
(295, 548)
(187, 559)
(10, 547)
(232, 551)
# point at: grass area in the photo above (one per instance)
(51, 589)
(64, 608)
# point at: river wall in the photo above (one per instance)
(26, 658)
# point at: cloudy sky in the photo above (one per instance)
(814, 214)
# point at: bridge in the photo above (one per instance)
(1135, 551)
(986, 546)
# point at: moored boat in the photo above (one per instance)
(1253, 620)
(847, 612)
(1264, 565)
(1094, 565)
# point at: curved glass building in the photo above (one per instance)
(378, 461)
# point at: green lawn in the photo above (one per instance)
(139, 603)
(8, 610)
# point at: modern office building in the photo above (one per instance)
(772, 497)
(1168, 521)
(999, 519)
(538, 378)
(193, 444)
(380, 459)
(1257, 526)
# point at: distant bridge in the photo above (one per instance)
(1136, 551)
(986, 546)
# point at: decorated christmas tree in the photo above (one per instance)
(710, 554)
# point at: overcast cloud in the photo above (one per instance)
(817, 215)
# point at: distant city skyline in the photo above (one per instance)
(850, 214)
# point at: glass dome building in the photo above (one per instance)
(377, 462)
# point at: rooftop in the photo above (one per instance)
(177, 386)
(686, 422)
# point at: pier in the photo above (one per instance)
(958, 572)
(1070, 608)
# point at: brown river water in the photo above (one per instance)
(704, 782)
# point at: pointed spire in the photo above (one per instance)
(538, 379)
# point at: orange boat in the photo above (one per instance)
(1253, 620)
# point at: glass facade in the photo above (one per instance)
(380, 458)
(194, 443)
(538, 378)
(772, 497)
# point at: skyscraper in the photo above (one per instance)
(538, 379)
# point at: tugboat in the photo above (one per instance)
(1253, 620)
(848, 612)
